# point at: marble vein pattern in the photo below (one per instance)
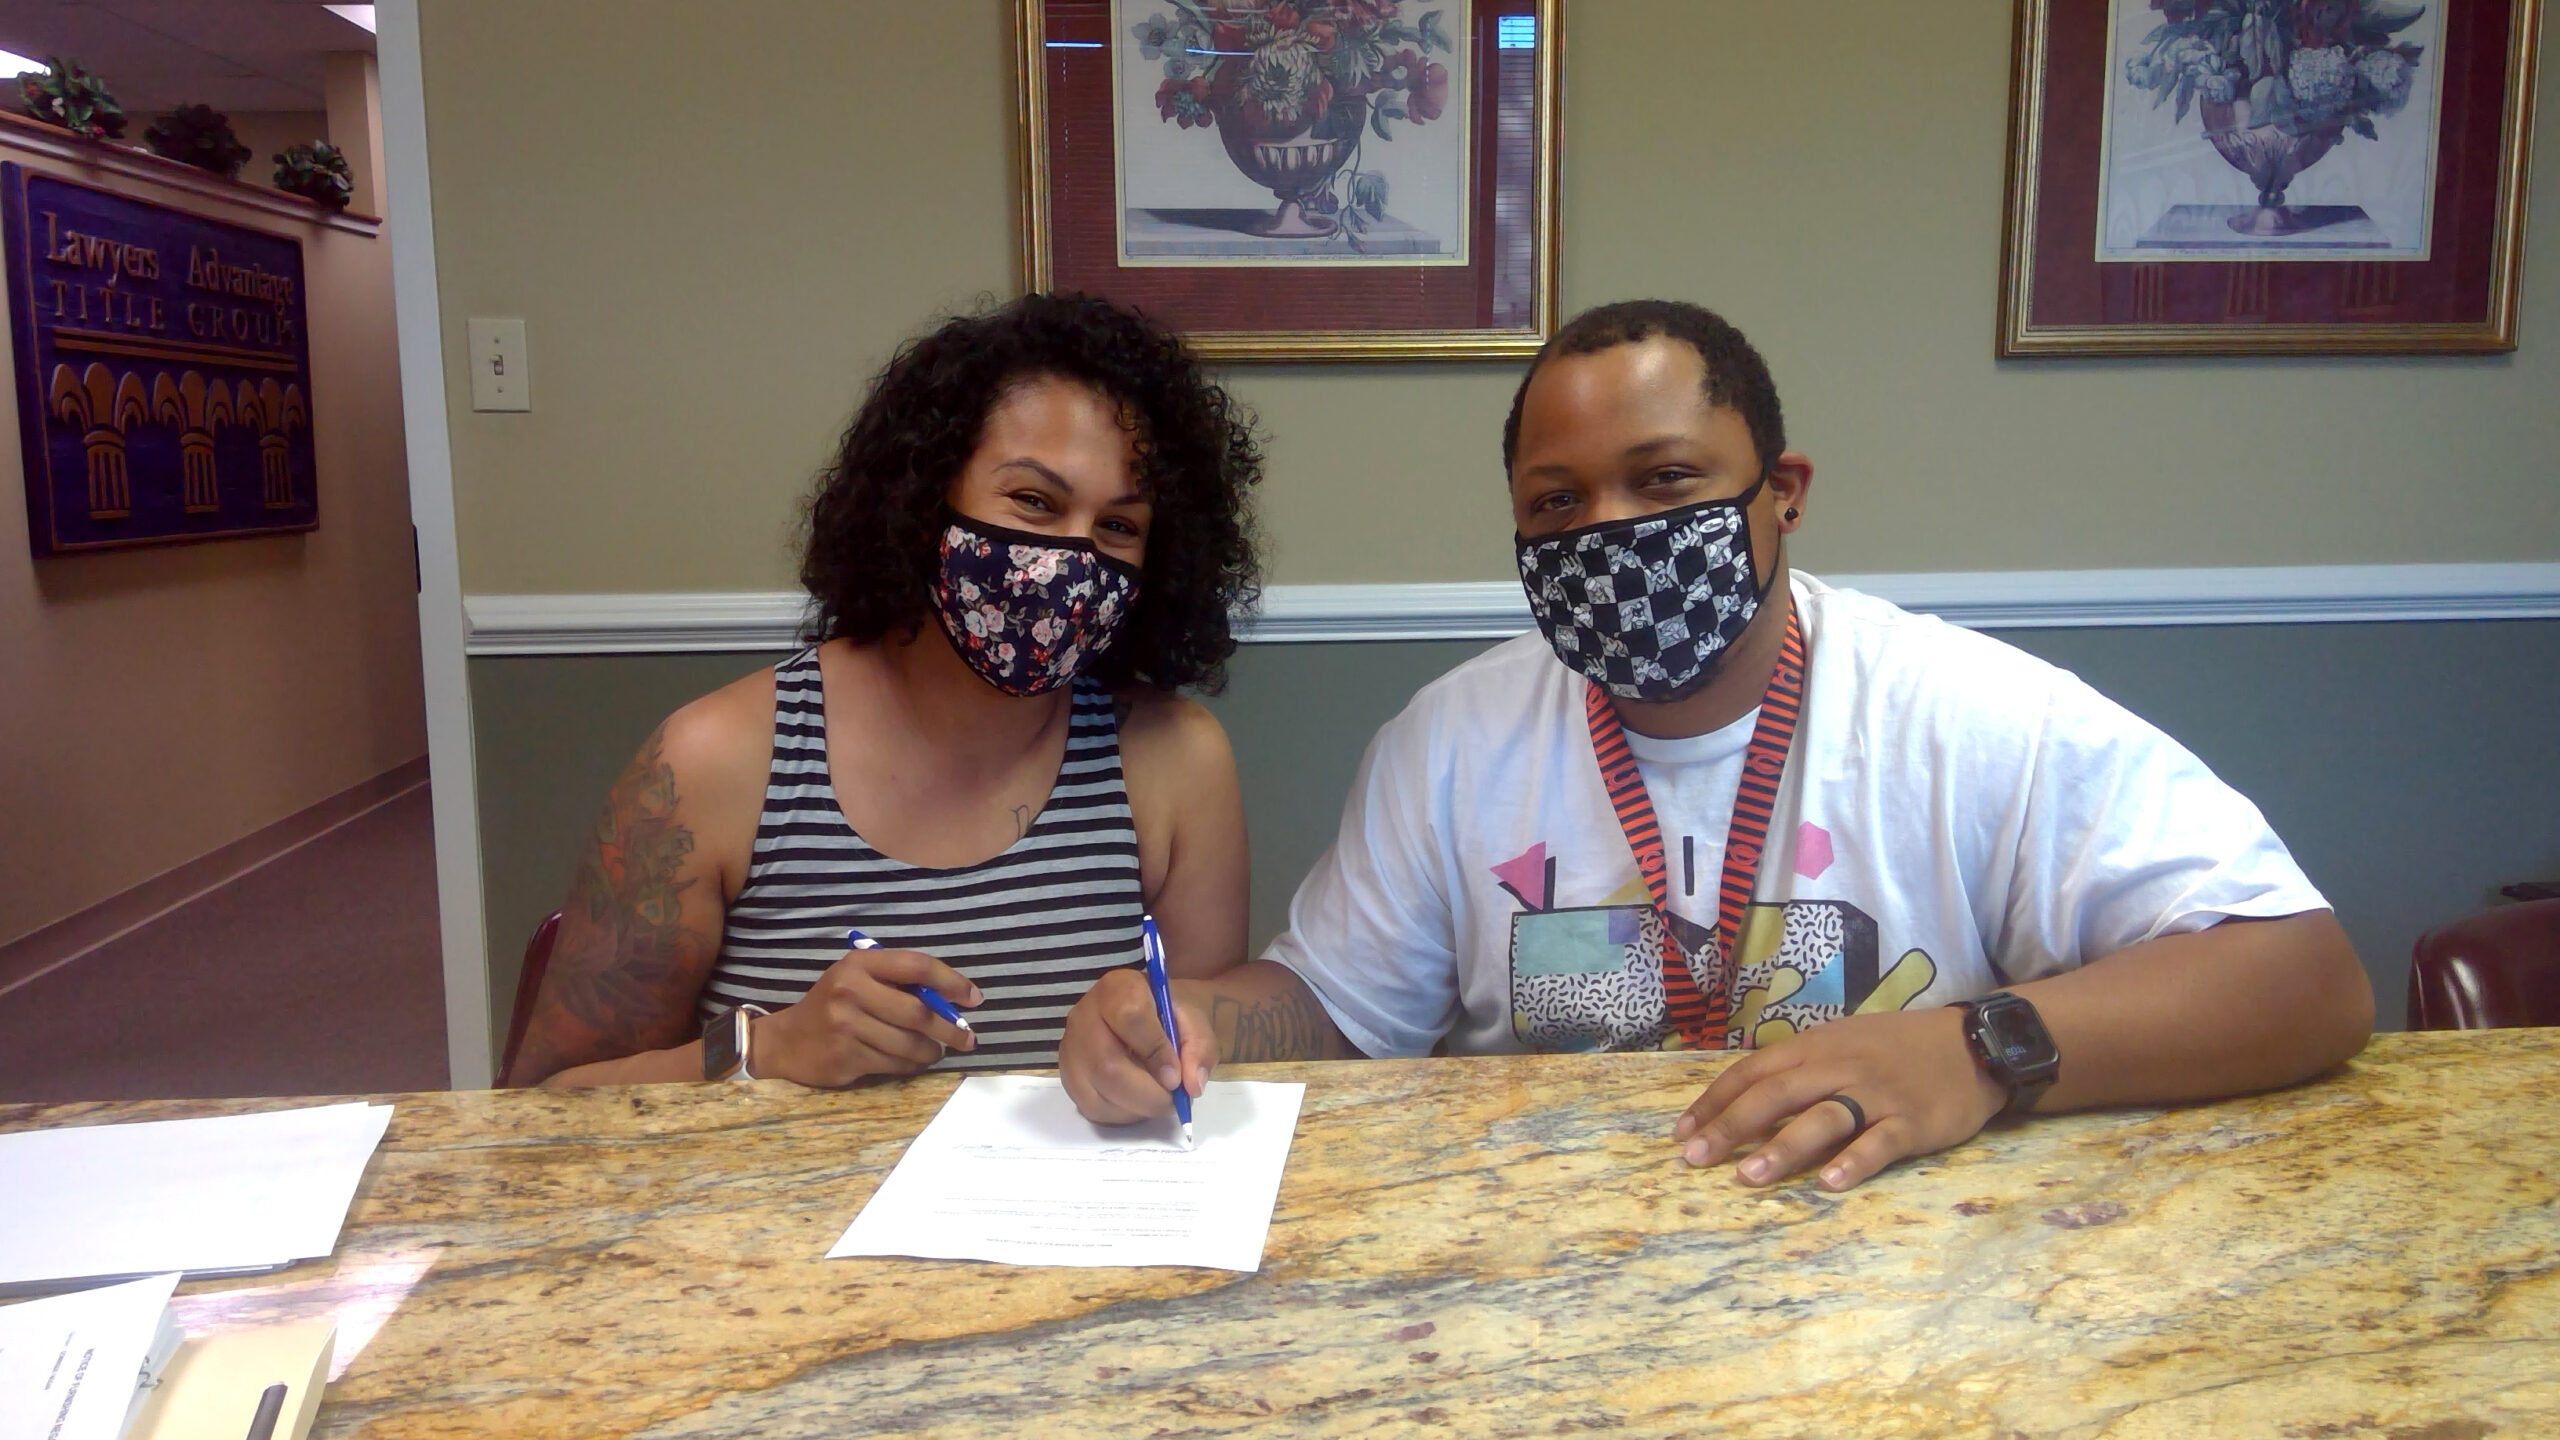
(1486, 1247)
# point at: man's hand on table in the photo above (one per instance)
(1911, 1072)
(1115, 1060)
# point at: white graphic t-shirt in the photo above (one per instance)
(1956, 816)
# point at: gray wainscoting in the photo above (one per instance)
(548, 735)
(2413, 767)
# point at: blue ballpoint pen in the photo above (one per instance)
(932, 998)
(1162, 984)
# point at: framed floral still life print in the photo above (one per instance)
(1299, 179)
(2267, 177)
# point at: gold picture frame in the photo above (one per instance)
(2143, 314)
(1037, 60)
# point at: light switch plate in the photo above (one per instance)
(500, 379)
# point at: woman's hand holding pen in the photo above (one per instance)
(858, 1020)
(1116, 1062)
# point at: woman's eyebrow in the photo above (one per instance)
(1025, 462)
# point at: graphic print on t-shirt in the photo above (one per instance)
(1590, 977)
(1810, 961)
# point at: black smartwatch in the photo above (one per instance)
(2010, 1043)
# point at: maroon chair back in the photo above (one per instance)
(2491, 971)
(537, 959)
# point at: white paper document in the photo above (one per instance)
(228, 1192)
(70, 1365)
(1008, 1171)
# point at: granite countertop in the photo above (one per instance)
(1485, 1247)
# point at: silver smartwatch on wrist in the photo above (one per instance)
(725, 1041)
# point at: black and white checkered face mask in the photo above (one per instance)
(1645, 607)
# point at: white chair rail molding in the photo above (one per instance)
(673, 622)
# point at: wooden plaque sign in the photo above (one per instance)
(164, 370)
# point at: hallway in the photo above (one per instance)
(315, 974)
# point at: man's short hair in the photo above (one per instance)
(1737, 377)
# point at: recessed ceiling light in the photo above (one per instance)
(353, 15)
(17, 64)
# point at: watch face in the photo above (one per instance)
(2016, 1039)
(720, 1047)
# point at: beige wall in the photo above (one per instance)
(717, 220)
(714, 220)
(160, 703)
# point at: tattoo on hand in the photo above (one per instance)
(623, 950)
(1282, 1027)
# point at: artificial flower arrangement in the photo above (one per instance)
(201, 136)
(316, 171)
(64, 94)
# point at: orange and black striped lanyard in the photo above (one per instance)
(1702, 1004)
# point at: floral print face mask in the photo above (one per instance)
(1028, 611)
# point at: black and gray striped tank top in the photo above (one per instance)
(1034, 927)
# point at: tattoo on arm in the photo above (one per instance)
(625, 970)
(1289, 1026)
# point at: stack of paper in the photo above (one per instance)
(74, 1367)
(1008, 1171)
(109, 1362)
(225, 1194)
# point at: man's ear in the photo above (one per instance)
(1789, 486)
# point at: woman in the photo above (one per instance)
(1033, 534)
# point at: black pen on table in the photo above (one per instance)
(262, 1426)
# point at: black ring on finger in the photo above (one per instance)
(1857, 1117)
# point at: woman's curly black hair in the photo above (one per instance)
(874, 523)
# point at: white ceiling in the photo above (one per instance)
(158, 54)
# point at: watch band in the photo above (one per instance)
(746, 1035)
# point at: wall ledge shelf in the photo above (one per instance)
(21, 135)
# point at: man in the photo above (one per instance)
(1923, 878)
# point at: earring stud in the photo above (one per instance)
(1792, 512)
